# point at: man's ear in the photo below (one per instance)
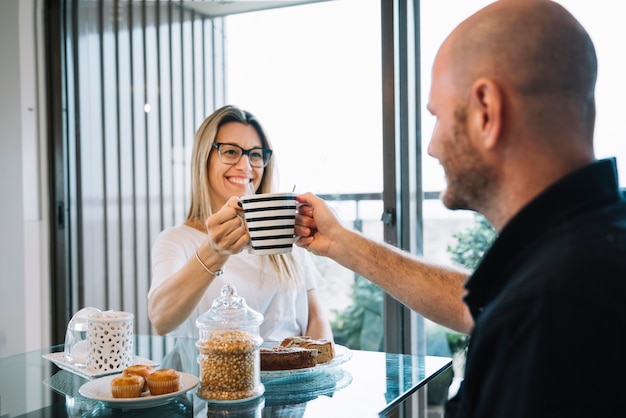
(486, 107)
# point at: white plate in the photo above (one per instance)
(100, 390)
(86, 372)
(342, 354)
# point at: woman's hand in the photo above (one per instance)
(226, 229)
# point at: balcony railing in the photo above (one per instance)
(359, 198)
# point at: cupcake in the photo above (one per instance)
(163, 381)
(127, 386)
(142, 370)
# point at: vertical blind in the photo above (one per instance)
(138, 79)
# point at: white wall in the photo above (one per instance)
(24, 277)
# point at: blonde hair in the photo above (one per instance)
(200, 204)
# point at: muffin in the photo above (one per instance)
(163, 381)
(142, 370)
(127, 386)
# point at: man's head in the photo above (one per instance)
(513, 93)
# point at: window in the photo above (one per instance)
(312, 75)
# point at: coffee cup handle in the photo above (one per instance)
(298, 206)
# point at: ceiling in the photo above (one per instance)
(217, 8)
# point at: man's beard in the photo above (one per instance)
(469, 180)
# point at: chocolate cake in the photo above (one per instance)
(287, 358)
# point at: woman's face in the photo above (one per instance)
(227, 180)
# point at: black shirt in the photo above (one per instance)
(549, 304)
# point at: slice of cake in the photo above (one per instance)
(325, 348)
(287, 358)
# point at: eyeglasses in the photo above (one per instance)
(231, 154)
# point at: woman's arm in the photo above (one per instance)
(173, 301)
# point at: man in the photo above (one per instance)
(513, 94)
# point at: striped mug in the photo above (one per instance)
(270, 219)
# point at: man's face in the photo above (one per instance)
(468, 177)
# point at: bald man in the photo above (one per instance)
(513, 94)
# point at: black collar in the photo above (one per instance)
(591, 186)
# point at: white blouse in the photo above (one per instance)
(285, 312)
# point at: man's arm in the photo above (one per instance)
(432, 290)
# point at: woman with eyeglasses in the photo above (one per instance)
(192, 261)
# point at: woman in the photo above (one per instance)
(192, 261)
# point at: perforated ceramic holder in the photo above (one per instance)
(110, 336)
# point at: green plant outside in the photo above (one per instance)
(470, 247)
(360, 325)
(472, 243)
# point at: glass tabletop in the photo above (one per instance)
(364, 385)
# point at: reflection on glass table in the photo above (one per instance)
(363, 386)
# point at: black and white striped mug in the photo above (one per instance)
(270, 219)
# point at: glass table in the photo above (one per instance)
(366, 384)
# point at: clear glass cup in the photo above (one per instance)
(76, 343)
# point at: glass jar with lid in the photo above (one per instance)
(229, 346)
